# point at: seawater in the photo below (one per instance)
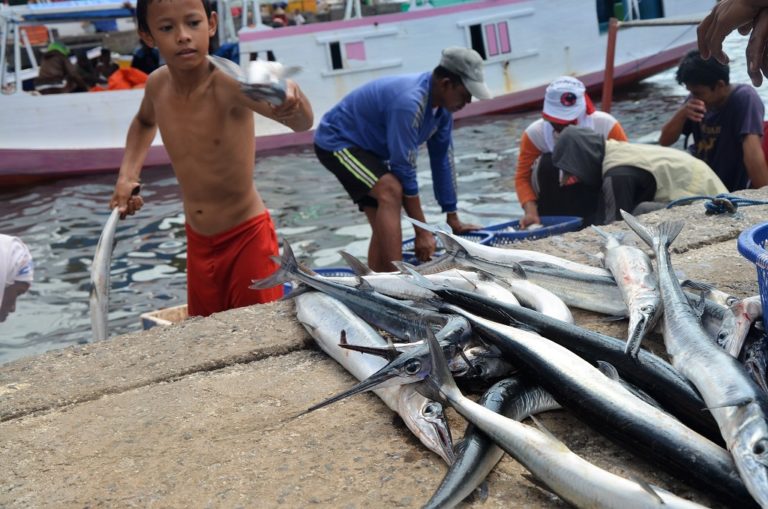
(61, 221)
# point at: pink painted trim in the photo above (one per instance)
(504, 37)
(490, 39)
(380, 19)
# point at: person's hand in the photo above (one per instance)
(457, 227)
(126, 197)
(531, 215)
(695, 110)
(424, 245)
(746, 16)
(291, 104)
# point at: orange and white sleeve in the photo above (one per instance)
(617, 133)
(525, 158)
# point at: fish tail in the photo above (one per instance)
(451, 246)
(668, 232)
(440, 376)
(284, 273)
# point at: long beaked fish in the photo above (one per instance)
(568, 475)
(612, 410)
(100, 282)
(738, 405)
(648, 371)
(633, 273)
(456, 246)
(514, 398)
(325, 318)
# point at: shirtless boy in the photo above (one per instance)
(207, 127)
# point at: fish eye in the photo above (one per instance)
(432, 410)
(722, 335)
(412, 367)
(647, 309)
(760, 447)
(731, 300)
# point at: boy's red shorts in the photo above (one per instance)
(220, 267)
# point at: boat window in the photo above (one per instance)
(491, 39)
(625, 10)
(254, 55)
(335, 49)
(361, 52)
(349, 51)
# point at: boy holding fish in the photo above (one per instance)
(207, 126)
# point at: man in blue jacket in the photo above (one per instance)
(370, 141)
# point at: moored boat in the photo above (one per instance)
(525, 44)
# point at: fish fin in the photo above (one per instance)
(288, 265)
(668, 232)
(430, 228)
(357, 266)
(608, 370)
(542, 428)
(602, 232)
(440, 377)
(418, 279)
(739, 402)
(644, 232)
(363, 285)
(697, 285)
(647, 487)
(481, 492)
(450, 244)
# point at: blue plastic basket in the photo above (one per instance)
(751, 245)
(327, 272)
(409, 255)
(551, 225)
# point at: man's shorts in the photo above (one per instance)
(220, 267)
(358, 171)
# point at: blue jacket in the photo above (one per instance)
(391, 117)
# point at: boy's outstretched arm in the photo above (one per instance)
(140, 135)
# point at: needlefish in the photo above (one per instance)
(568, 475)
(326, 319)
(738, 405)
(633, 272)
(100, 268)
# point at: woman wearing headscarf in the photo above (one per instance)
(16, 273)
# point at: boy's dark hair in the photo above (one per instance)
(694, 70)
(441, 72)
(141, 13)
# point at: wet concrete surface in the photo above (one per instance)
(204, 413)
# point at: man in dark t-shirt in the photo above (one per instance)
(726, 122)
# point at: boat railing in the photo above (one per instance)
(610, 53)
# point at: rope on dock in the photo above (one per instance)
(720, 204)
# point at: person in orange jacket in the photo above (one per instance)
(541, 190)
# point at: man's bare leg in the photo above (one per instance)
(387, 236)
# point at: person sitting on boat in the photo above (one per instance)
(627, 176)
(371, 138)
(105, 65)
(207, 126)
(537, 182)
(726, 122)
(57, 74)
(145, 59)
(16, 273)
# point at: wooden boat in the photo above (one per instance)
(525, 44)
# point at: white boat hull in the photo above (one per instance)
(44, 136)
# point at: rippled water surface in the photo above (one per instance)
(61, 221)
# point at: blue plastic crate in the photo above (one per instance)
(409, 256)
(751, 245)
(327, 272)
(551, 225)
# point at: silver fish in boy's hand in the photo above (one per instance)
(262, 81)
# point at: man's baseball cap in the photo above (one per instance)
(565, 100)
(468, 65)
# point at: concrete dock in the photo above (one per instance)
(203, 413)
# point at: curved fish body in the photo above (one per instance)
(571, 477)
(100, 268)
(495, 259)
(480, 362)
(738, 405)
(513, 398)
(611, 409)
(648, 372)
(754, 356)
(633, 273)
(737, 321)
(325, 318)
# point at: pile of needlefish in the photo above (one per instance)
(498, 320)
